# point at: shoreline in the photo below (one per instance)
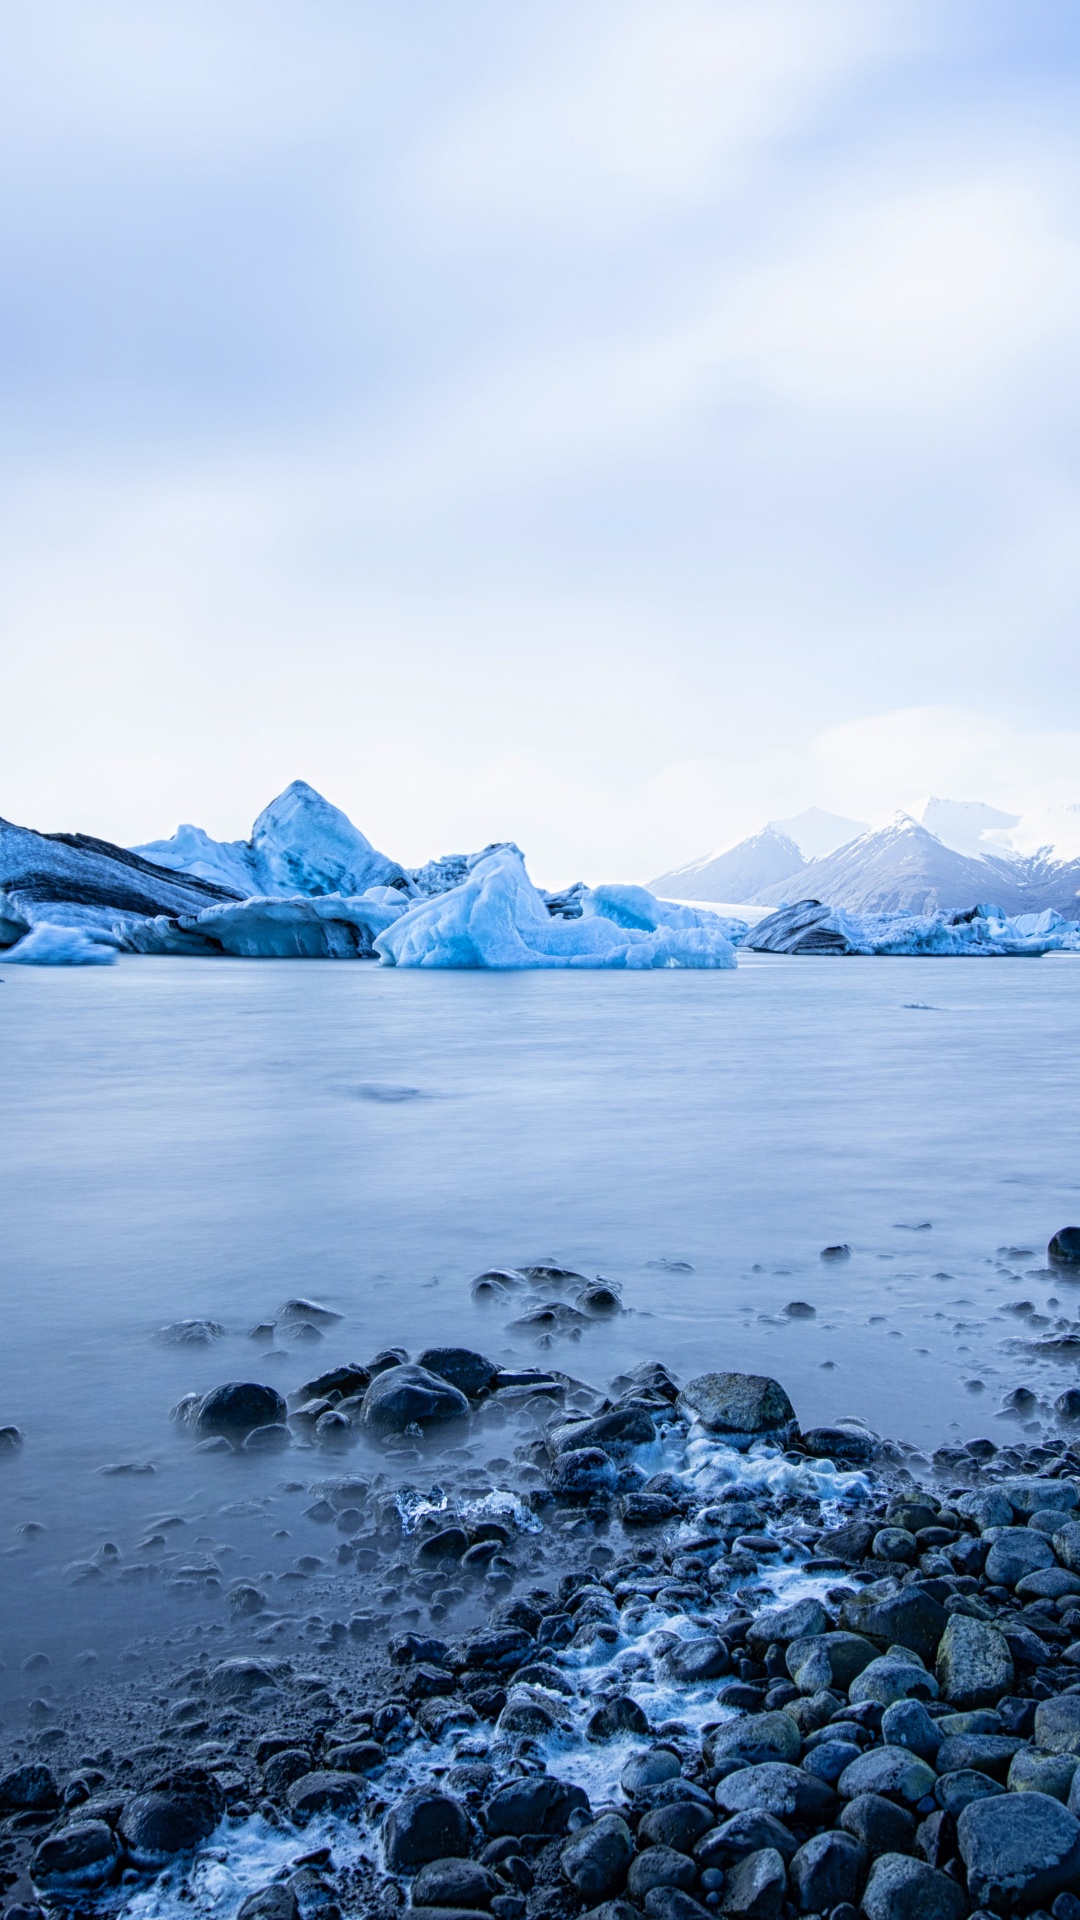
(660, 1541)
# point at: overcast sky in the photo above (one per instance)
(598, 425)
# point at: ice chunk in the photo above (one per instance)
(49, 946)
(324, 927)
(496, 918)
(812, 927)
(300, 844)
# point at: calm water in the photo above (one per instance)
(194, 1138)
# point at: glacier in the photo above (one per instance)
(812, 927)
(497, 919)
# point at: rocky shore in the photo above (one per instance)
(674, 1658)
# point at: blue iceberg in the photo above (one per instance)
(810, 927)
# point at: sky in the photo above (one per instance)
(595, 424)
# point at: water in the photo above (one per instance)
(192, 1138)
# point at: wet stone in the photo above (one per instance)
(1019, 1850)
(900, 1888)
(660, 1867)
(455, 1882)
(424, 1825)
(596, 1860)
(755, 1887)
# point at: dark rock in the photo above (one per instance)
(387, 1358)
(359, 1756)
(878, 1824)
(903, 1889)
(646, 1509)
(1064, 1247)
(781, 1626)
(455, 1883)
(907, 1724)
(175, 1815)
(502, 1648)
(77, 1858)
(239, 1679)
(671, 1903)
(237, 1407)
(974, 1665)
(753, 1739)
(615, 1431)
(595, 1861)
(849, 1543)
(583, 1472)
(828, 1660)
(1057, 1725)
(829, 1760)
(896, 1675)
(827, 1869)
(737, 1403)
(414, 1646)
(425, 1825)
(469, 1372)
(275, 1902)
(649, 1769)
(659, 1867)
(755, 1887)
(890, 1771)
(852, 1444)
(990, 1753)
(908, 1618)
(1015, 1552)
(450, 1543)
(776, 1788)
(285, 1767)
(692, 1661)
(680, 1826)
(955, 1791)
(322, 1792)
(345, 1380)
(405, 1395)
(1019, 1850)
(621, 1715)
(29, 1789)
(743, 1833)
(536, 1804)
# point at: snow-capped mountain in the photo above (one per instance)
(967, 825)
(817, 833)
(904, 868)
(738, 874)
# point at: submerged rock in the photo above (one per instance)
(405, 1395)
(737, 1403)
(236, 1408)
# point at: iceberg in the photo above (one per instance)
(51, 946)
(300, 844)
(811, 927)
(329, 926)
(74, 880)
(497, 919)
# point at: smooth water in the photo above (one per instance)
(187, 1138)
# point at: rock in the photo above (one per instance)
(595, 1861)
(754, 1738)
(1015, 1552)
(583, 1472)
(175, 1815)
(659, 1867)
(903, 1889)
(322, 1792)
(738, 1403)
(469, 1372)
(234, 1409)
(502, 1648)
(346, 1380)
(190, 1333)
(403, 1395)
(621, 1715)
(614, 1431)
(29, 1789)
(744, 1833)
(755, 1887)
(455, 1883)
(1064, 1247)
(668, 1903)
(1057, 1724)
(680, 1826)
(77, 1858)
(775, 1788)
(908, 1618)
(988, 1508)
(893, 1676)
(649, 1769)
(1052, 1773)
(990, 1753)
(907, 1724)
(849, 1543)
(828, 1761)
(12, 1440)
(424, 1825)
(692, 1661)
(449, 1543)
(356, 1756)
(894, 1543)
(1050, 1583)
(285, 1767)
(1067, 1545)
(830, 1660)
(271, 1439)
(781, 1626)
(275, 1902)
(536, 1804)
(646, 1509)
(1019, 1850)
(239, 1679)
(827, 1869)
(892, 1772)
(1032, 1494)
(955, 1791)
(853, 1445)
(974, 1665)
(878, 1824)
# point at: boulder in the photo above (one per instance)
(405, 1395)
(322, 1791)
(615, 1431)
(974, 1665)
(828, 1660)
(424, 1825)
(649, 1769)
(900, 1888)
(692, 1661)
(1064, 1247)
(737, 1404)
(907, 1724)
(29, 1789)
(680, 1826)
(892, 1772)
(595, 1861)
(659, 1867)
(908, 1618)
(1032, 1494)
(774, 1787)
(1017, 1551)
(615, 1717)
(893, 1676)
(1057, 1724)
(1052, 1773)
(780, 1626)
(955, 1791)
(239, 1679)
(275, 1902)
(828, 1760)
(239, 1406)
(469, 1372)
(990, 1753)
(1019, 1850)
(455, 1883)
(173, 1816)
(754, 1738)
(536, 1804)
(1067, 1545)
(76, 1859)
(853, 1445)
(743, 1833)
(583, 1472)
(878, 1824)
(668, 1903)
(755, 1887)
(827, 1869)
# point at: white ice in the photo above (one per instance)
(300, 844)
(987, 931)
(51, 946)
(497, 919)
